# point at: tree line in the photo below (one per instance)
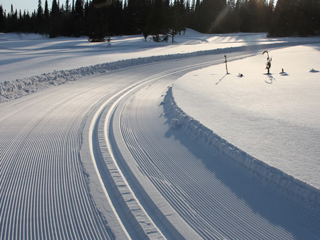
(160, 18)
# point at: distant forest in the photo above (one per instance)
(160, 18)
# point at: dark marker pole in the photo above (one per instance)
(225, 57)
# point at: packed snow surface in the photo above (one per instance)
(27, 55)
(275, 117)
(210, 190)
(51, 139)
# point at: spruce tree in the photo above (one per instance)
(54, 20)
(177, 18)
(309, 17)
(78, 27)
(97, 24)
(208, 13)
(157, 20)
(46, 17)
(2, 20)
(67, 7)
(39, 18)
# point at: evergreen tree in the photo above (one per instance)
(79, 23)
(157, 20)
(2, 20)
(208, 13)
(40, 19)
(97, 23)
(79, 9)
(133, 16)
(162, 17)
(67, 20)
(54, 20)
(67, 7)
(285, 17)
(229, 21)
(197, 11)
(46, 17)
(115, 17)
(177, 18)
(309, 17)
(145, 19)
(15, 21)
(25, 23)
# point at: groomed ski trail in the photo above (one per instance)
(215, 199)
(50, 190)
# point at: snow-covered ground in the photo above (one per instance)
(272, 120)
(29, 55)
(275, 118)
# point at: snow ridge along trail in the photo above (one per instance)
(270, 177)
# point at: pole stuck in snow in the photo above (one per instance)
(225, 60)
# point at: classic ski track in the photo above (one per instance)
(120, 183)
(190, 199)
(103, 118)
(139, 154)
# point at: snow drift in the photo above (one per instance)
(272, 178)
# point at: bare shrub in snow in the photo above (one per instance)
(268, 64)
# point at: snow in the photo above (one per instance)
(266, 125)
(273, 120)
(206, 189)
(43, 62)
(36, 54)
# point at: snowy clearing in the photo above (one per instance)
(24, 56)
(107, 154)
(275, 117)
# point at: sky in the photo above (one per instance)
(28, 5)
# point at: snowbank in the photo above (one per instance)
(15, 89)
(272, 178)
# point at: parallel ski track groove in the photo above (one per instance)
(191, 186)
(171, 192)
(140, 155)
(47, 183)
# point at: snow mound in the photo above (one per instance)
(272, 178)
